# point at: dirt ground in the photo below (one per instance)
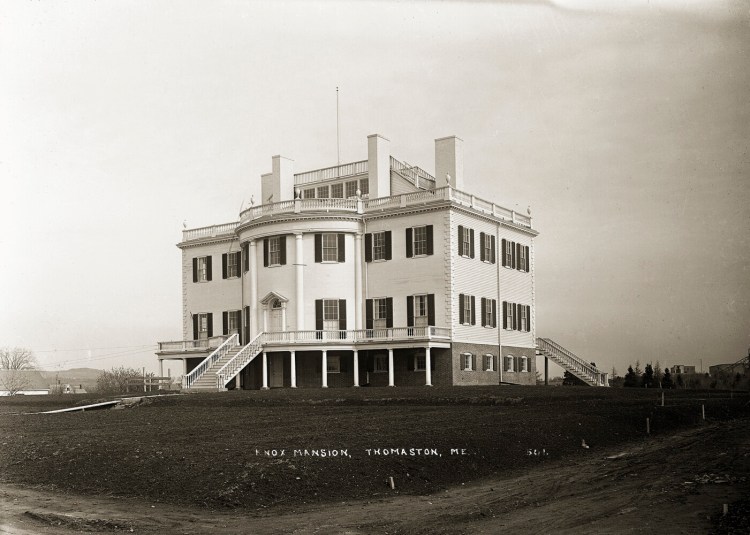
(513, 461)
(619, 490)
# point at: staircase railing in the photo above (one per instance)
(243, 357)
(219, 352)
(571, 362)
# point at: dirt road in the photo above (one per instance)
(671, 484)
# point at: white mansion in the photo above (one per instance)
(366, 273)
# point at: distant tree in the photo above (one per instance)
(571, 380)
(115, 381)
(647, 380)
(638, 370)
(666, 382)
(658, 375)
(15, 362)
(680, 382)
(631, 379)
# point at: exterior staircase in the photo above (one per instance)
(239, 360)
(585, 371)
(203, 376)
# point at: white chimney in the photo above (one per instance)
(449, 162)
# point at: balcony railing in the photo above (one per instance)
(192, 345)
(418, 176)
(208, 232)
(331, 173)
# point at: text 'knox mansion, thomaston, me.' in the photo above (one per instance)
(366, 273)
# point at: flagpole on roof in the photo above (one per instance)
(338, 142)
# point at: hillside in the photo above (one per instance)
(76, 376)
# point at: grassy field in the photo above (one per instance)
(210, 449)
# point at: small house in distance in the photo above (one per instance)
(682, 369)
(22, 382)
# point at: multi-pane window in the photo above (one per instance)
(233, 265)
(330, 314)
(337, 191)
(364, 186)
(420, 311)
(510, 314)
(523, 321)
(487, 244)
(515, 255)
(322, 192)
(420, 241)
(202, 268)
(509, 361)
(489, 363)
(202, 326)
(378, 246)
(489, 311)
(232, 322)
(522, 260)
(420, 362)
(466, 239)
(524, 364)
(380, 313)
(330, 248)
(466, 309)
(333, 363)
(351, 188)
(380, 363)
(467, 362)
(508, 253)
(309, 193)
(274, 251)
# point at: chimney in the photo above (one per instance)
(449, 160)
(278, 185)
(379, 166)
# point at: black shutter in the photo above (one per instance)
(195, 326)
(484, 311)
(282, 250)
(492, 250)
(318, 248)
(368, 314)
(460, 240)
(388, 254)
(517, 317)
(528, 260)
(195, 270)
(318, 314)
(505, 309)
(516, 254)
(528, 318)
(431, 309)
(246, 254)
(504, 251)
(368, 247)
(224, 266)
(225, 322)
(409, 310)
(494, 313)
(389, 312)
(342, 250)
(247, 325)
(473, 362)
(481, 247)
(342, 312)
(429, 240)
(265, 252)
(208, 268)
(473, 311)
(471, 243)
(210, 324)
(409, 251)
(461, 308)
(517, 364)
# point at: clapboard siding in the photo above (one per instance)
(400, 185)
(471, 276)
(515, 287)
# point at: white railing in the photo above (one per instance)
(234, 365)
(357, 335)
(218, 353)
(297, 206)
(416, 175)
(209, 232)
(330, 173)
(188, 345)
(572, 362)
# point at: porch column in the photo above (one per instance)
(299, 292)
(390, 368)
(546, 371)
(427, 367)
(293, 364)
(184, 367)
(253, 273)
(283, 316)
(324, 369)
(161, 367)
(358, 281)
(265, 371)
(356, 368)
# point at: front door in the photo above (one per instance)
(276, 370)
(277, 324)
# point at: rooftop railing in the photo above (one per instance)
(418, 176)
(331, 173)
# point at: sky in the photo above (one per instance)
(624, 126)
